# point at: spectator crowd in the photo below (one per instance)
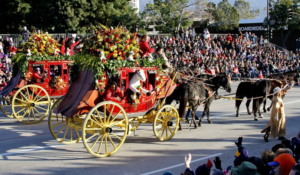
(281, 159)
(242, 55)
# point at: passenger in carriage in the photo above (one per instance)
(37, 77)
(114, 93)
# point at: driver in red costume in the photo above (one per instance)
(144, 46)
(114, 93)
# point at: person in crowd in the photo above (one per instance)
(282, 164)
(246, 168)
(203, 169)
(25, 34)
(276, 125)
(295, 170)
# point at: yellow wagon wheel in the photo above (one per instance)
(6, 108)
(63, 129)
(105, 129)
(31, 104)
(166, 123)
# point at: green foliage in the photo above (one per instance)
(65, 15)
(90, 62)
(13, 14)
(76, 15)
(244, 10)
(20, 61)
(20, 64)
(226, 16)
(168, 15)
(280, 15)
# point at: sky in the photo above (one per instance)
(254, 4)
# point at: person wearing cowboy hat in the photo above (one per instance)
(276, 125)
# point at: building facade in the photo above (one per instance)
(135, 4)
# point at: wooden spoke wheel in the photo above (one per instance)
(6, 108)
(31, 104)
(166, 123)
(63, 129)
(105, 129)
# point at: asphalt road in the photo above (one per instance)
(30, 149)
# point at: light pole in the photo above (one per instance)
(268, 21)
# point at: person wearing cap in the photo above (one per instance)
(282, 164)
(276, 125)
(246, 168)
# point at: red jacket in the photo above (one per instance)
(112, 95)
(145, 49)
(37, 77)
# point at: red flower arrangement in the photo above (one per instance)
(115, 43)
(40, 45)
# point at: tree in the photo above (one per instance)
(280, 15)
(244, 10)
(168, 15)
(78, 15)
(226, 16)
(13, 14)
(42, 14)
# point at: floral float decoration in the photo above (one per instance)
(108, 50)
(39, 47)
(113, 43)
(60, 84)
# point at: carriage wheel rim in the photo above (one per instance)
(28, 106)
(7, 110)
(60, 128)
(103, 133)
(166, 123)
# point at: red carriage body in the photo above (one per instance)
(55, 76)
(158, 83)
(155, 82)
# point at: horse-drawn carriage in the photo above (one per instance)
(103, 125)
(39, 75)
(28, 98)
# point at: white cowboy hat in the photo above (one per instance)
(277, 89)
(73, 35)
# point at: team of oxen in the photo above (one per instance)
(195, 89)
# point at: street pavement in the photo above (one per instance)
(30, 149)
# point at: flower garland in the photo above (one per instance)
(40, 45)
(116, 43)
(60, 84)
(91, 62)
